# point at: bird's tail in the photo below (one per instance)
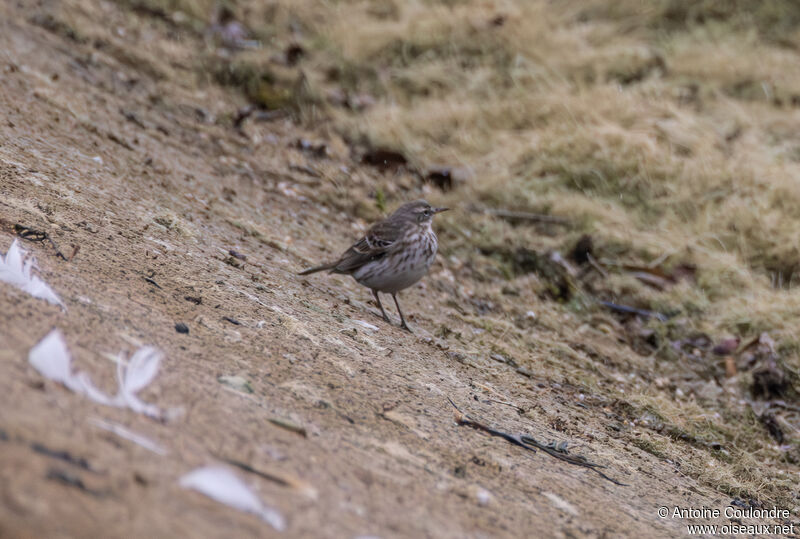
(315, 269)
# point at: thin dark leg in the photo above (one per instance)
(385, 316)
(402, 318)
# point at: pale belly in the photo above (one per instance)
(392, 274)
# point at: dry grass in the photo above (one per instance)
(662, 129)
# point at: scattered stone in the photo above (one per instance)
(180, 327)
(237, 254)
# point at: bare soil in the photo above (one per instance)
(108, 145)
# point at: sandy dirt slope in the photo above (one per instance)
(112, 153)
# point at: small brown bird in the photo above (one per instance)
(394, 253)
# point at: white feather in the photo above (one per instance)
(142, 368)
(51, 358)
(139, 372)
(17, 270)
(224, 486)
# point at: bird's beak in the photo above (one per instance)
(439, 210)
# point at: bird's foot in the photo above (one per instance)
(405, 327)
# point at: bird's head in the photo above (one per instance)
(418, 212)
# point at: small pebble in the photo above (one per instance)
(484, 497)
(237, 254)
(180, 327)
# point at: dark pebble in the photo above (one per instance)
(180, 327)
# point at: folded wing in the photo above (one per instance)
(378, 241)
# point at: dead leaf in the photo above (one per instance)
(584, 248)
(441, 177)
(384, 158)
(294, 53)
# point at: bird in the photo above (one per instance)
(393, 255)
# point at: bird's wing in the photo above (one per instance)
(378, 240)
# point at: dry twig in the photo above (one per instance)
(529, 443)
(31, 234)
(596, 265)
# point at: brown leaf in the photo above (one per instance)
(584, 248)
(294, 53)
(384, 158)
(441, 177)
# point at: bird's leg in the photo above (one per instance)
(378, 299)
(402, 318)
